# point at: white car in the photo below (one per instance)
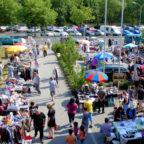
(49, 33)
(74, 32)
(62, 33)
(22, 29)
(95, 39)
(31, 30)
(57, 32)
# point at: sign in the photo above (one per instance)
(119, 77)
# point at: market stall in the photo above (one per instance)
(130, 131)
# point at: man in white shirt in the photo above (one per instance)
(36, 82)
(48, 42)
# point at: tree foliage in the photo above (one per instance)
(81, 15)
(37, 13)
(63, 12)
(9, 12)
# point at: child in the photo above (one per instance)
(115, 109)
(75, 128)
(82, 134)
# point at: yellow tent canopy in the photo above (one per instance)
(15, 49)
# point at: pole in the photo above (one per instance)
(121, 33)
(105, 34)
(140, 15)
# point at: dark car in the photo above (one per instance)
(112, 68)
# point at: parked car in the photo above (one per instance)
(111, 30)
(95, 39)
(22, 29)
(57, 32)
(8, 40)
(132, 30)
(74, 32)
(138, 38)
(89, 33)
(113, 68)
(126, 32)
(32, 30)
(63, 33)
(99, 33)
(48, 33)
(3, 28)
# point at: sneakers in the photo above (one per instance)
(90, 126)
(42, 141)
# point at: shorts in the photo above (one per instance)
(140, 102)
(52, 93)
(90, 117)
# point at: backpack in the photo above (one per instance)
(131, 113)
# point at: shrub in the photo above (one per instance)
(67, 59)
(123, 85)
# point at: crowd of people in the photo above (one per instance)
(130, 101)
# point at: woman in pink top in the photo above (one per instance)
(71, 108)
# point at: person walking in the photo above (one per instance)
(109, 43)
(48, 42)
(10, 70)
(71, 110)
(39, 123)
(55, 74)
(44, 50)
(101, 100)
(32, 111)
(1, 68)
(82, 134)
(36, 82)
(85, 121)
(53, 86)
(51, 121)
(106, 128)
(140, 96)
(70, 139)
(89, 105)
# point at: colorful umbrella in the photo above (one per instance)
(100, 56)
(96, 77)
(15, 49)
(18, 44)
(130, 45)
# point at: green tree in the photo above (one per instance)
(81, 15)
(62, 7)
(9, 12)
(113, 10)
(37, 13)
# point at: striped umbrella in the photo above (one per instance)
(96, 76)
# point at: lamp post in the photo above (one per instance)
(141, 6)
(121, 33)
(105, 34)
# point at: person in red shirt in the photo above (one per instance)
(82, 134)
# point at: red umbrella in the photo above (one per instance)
(96, 76)
(20, 44)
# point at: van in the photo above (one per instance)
(111, 30)
(137, 38)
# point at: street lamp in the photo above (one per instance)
(105, 34)
(141, 6)
(121, 33)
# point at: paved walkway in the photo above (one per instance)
(63, 95)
